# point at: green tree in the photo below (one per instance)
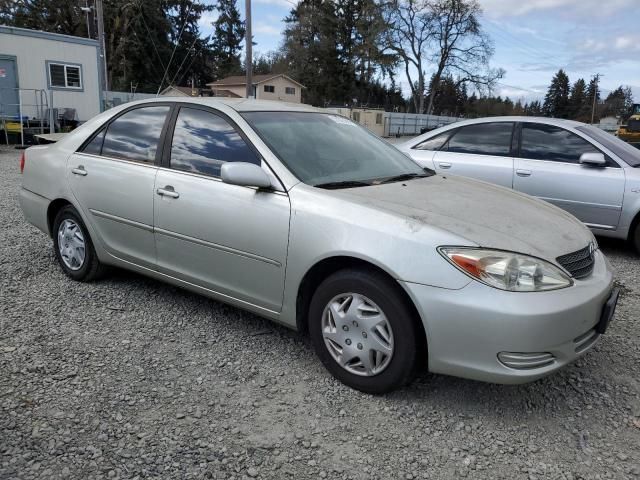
(229, 33)
(556, 101)
(619, 102)
(593, 100)
(578, 102)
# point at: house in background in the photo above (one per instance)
(41, 70)
(371, 118)
(175, 91)
(265, 87)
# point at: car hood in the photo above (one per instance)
(486, 215)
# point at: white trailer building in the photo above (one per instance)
(41, 71)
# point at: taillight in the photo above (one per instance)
(23, 157)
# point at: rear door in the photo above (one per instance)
(112, 176)
(481, 151)
(549, 168)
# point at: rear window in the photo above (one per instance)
(135, 134)
(621, 148)
(482, 139)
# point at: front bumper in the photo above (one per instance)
(468, 328)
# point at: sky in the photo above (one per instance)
(533, 39)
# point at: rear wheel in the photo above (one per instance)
(73, 247)
(364, 332)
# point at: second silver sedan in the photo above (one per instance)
(577, 167)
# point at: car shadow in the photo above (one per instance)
(576, 384)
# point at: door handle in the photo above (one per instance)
(167, 191)
(523, 173)
(79, 170)
(444, 165)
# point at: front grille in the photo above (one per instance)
(579, 264)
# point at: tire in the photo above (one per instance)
(72, 225)
(635, 237)
(369, 291)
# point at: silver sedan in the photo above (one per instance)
(305, 218)
(580, 168)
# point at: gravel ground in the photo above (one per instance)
(130, 378)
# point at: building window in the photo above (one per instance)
(355, 116)
(269, 88)
(290, 90)
(63, 75)
(378, 119)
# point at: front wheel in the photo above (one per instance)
(364, 331)
(635, 237)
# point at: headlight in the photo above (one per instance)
(507, 270)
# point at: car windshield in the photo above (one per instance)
(331, 151)
(621, 148)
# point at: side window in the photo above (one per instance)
(434, 143)
(203, 141)
(482, 139)
(94, 147)
(547, 142)
(135, 135)
(269, 88)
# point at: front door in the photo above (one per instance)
(113, 179)
(227, 238)
(481, 151)
(549, 168)
(9, 104)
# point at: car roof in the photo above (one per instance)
(238, 104)
(548, 120)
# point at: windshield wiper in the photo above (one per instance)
(343, 184)
(407, 176)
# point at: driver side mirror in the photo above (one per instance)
(244, 174)
(593, 160)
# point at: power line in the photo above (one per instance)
(184, 23)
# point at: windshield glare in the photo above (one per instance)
(621, 148)
(323, 148)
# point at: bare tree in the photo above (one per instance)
(462, 49)
(409, 36)
(444, 35)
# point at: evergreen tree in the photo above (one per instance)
(578, 103)
(593, 97)
(556, 101)
(229, 33)
(618, 103)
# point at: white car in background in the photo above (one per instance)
(578, 167)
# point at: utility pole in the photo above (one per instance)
(87, 10)
(596, 79)
(249, 41)
(101, 43)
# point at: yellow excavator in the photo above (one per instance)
(630, 131)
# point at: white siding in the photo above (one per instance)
(32, 56)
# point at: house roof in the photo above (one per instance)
(183, 90)
(26, 32)
(256, 79)
(225, 93)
